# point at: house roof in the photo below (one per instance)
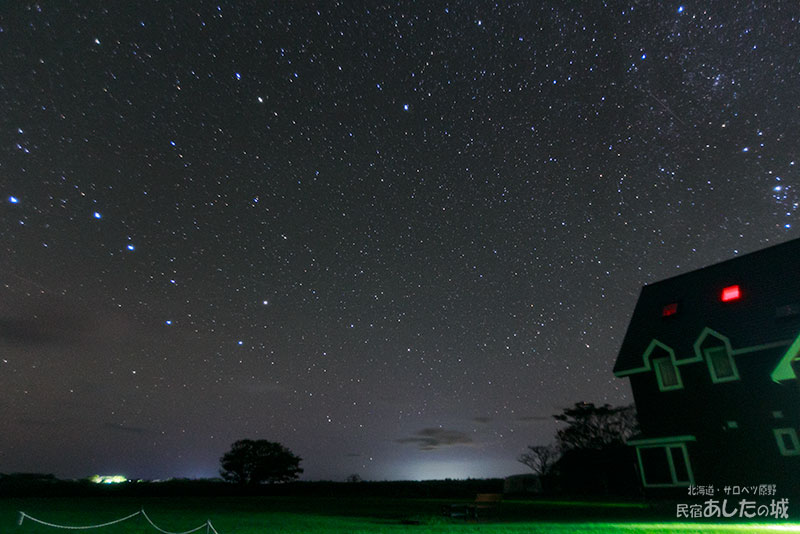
(767, 311)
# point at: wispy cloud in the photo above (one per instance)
(43, 328)
(430, 439)
(51, 321)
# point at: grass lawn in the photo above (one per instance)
(311, 515)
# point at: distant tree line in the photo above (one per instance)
(38, 485)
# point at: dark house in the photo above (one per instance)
(712, 356)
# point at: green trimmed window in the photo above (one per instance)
(787, 440)
(721, 364)
(667, 374)
(665, 466)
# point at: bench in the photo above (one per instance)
(483, 504)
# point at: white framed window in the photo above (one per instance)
(721, 364)
(787, 440)
(667, 374)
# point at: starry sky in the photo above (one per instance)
(395, 237)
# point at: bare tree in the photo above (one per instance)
(540, 458)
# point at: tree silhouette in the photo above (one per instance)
(540, 458)
(594, 457)
(595, 427)
(589, 455)
(259, 461)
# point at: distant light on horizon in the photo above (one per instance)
(108, 479)
(442, 469)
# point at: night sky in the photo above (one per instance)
(396, 238)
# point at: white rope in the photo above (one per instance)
(207, 525)
(167, 532)
(23, 515)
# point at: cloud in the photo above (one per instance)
(52, 321)
(430, 439)
(42, 328)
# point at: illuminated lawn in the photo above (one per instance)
(256, 515)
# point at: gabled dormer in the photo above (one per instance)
(715, 349)
(659, 359)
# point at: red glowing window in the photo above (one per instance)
(669, 309)
(730, 293)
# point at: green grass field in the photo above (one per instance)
(309, 515)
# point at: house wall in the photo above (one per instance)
(744, 451)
